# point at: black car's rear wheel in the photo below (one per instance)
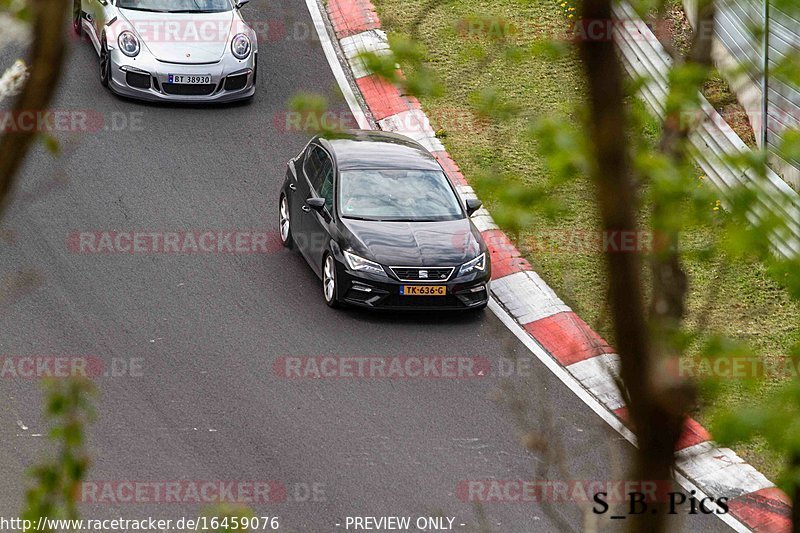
(329, 287)
(285, 224)
(77, 16)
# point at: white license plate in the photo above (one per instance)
(189, 79)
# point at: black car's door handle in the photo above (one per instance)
(293, 186)
(306, 209)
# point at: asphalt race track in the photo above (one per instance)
(204, 330)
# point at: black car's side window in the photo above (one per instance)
(326, 189)
(322, 180)
(311, 164)
(319, 169)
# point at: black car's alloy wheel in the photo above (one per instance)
(329, 281)
(285, 224)
(105, 63)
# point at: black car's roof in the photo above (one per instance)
(379, 149)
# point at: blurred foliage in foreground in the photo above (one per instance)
(58, 481)
(671, 199)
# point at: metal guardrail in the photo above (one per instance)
(713, 143)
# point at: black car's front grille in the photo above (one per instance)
(138, 80)
(183, 89)
(236, 83)
(423, 274)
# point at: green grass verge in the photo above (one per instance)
(735, 299)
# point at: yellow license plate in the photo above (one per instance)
(423, 290)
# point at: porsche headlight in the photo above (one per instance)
(128, 43)
(240, 46)
(477, 264)
(360, 264)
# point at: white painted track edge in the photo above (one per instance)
(336, 66)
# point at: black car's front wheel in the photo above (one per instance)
(329, 287)
(285, 223)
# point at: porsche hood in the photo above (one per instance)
(185, 38)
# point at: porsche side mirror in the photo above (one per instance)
(240, 3)
(317, 204)
(473, 204)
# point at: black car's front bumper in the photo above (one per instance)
(383, 292)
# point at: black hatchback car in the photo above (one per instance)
(380, 223)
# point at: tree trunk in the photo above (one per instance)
(657, 423)
(44, 71)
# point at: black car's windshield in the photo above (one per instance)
(177, 6)
(397, 195)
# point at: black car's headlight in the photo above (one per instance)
(240, 46)
(477, 264)
(360, 264)
(128, 43)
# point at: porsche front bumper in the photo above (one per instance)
(146, 78)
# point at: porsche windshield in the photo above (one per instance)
(177, 6)
(398, 196)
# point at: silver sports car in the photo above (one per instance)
(171, 50)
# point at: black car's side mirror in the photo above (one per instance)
(317, 204)
(473, 204)
(240, 3)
